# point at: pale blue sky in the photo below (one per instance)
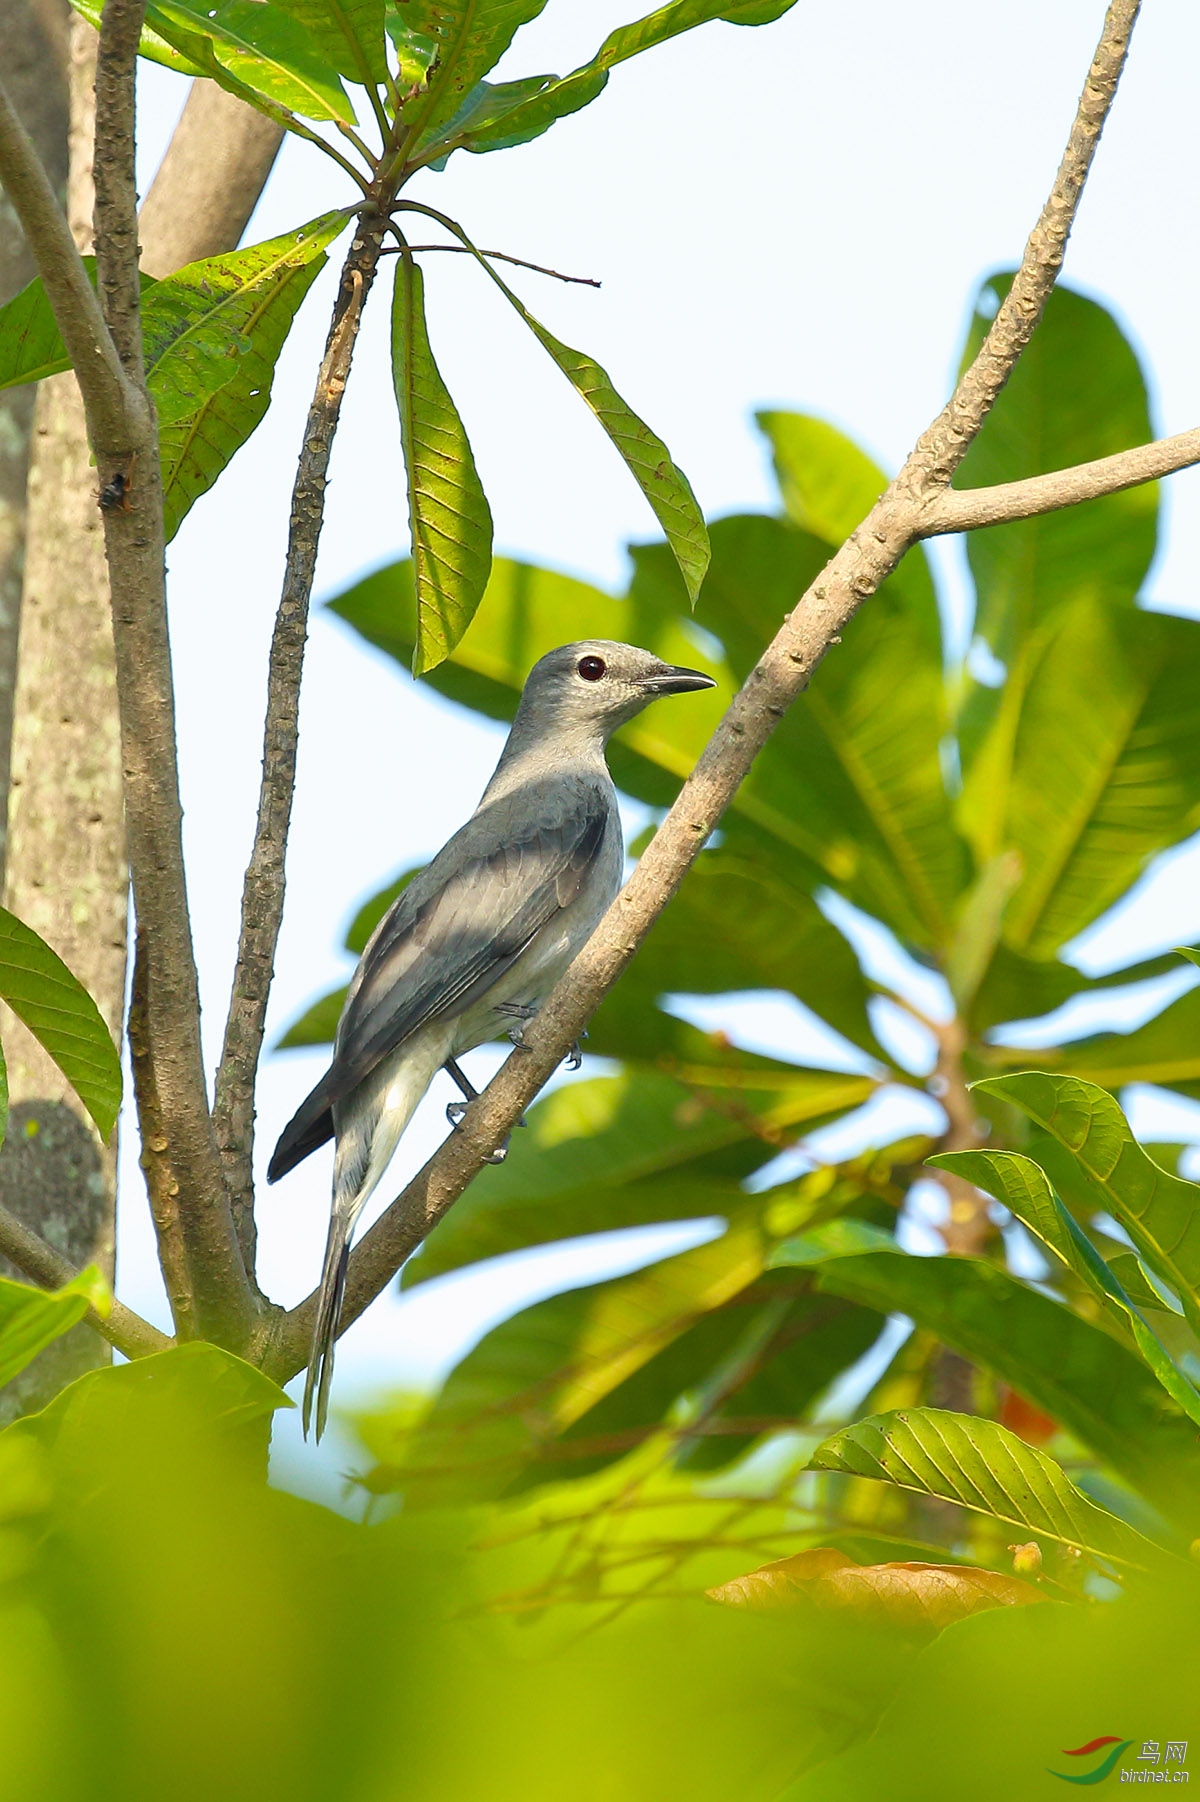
(794, 216)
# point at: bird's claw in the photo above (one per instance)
(574, 1057)
(454, 1113)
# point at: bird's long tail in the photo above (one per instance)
(325, 1323)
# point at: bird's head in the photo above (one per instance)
(598, 684)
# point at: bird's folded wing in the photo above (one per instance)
(459, 927)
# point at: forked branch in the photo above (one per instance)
(968, 509)
(870, 555)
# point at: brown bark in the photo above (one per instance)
(65, 868)
(67, 875)
(33, 50)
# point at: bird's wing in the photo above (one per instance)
(466, 920)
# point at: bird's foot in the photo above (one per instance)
(521, 1014)
(454, 1113)
(574, 1057)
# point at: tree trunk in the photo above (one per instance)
(66, 874)
(33, 51)
(65, 869)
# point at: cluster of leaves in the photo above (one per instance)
(153, 1584)
(213, 331)
(639, 1428)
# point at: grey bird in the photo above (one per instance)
(475, 942)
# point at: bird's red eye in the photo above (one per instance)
(591, 668)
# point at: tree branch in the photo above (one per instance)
(132, 1335)
(134, 547)
(866, 559)
(967, 509)
(263, 890)
(208, 183)
(106, 391)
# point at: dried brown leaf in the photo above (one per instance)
(925, 1596)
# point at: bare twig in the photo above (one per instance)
(864, 561)
(263, 890)
(967, 509)
(134, 547)
(132, 1335)
(499, 256)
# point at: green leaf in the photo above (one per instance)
(471, 37)
(625, 1151)
(486, 102)
(522, 617)
(348, 33)
(260, 47)
(31, 1319)
(1072, 1370)
(1077, 393)
(533, 1377)
(196, 1379)
(1024, 1189)
(575, 1381)
(62, 1017)
(31, 345)
(529, 118)
(154, 48)
(1092, 765)
(828, 486)
(733, 926)
(981, 1466)
(449, 518)
(1022, 988)
(246, 298)
(645, 456)
(1095, 1162)
(1166, 1050)
(786, 1356)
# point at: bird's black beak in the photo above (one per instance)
(673, 679)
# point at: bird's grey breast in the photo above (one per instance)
(495, 917)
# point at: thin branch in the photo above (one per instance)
(864, 561)
(263, 890)
(967, 509)
(106, 391)
(134, 548)
(132, 1335)
(162, 1184)
(500, 256)
(940, 449)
